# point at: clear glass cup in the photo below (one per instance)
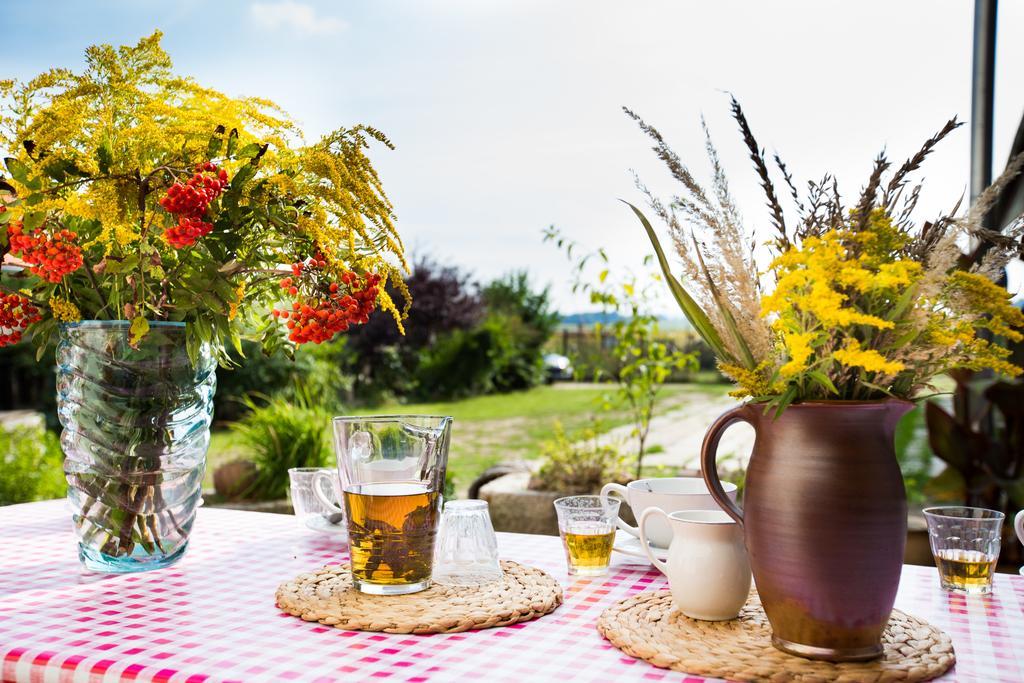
(965, 543)
(391, 469)
(587, 527)
(467, 547)
(311, 511)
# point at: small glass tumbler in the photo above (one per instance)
(467, 548)
(587, 527)
(965, 543)
(310, 510)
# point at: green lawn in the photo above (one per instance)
(503, 427)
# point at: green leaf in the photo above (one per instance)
(213, 147)
(249, 151)
(690, 308)
(236, 341)
(17, 169)
(34, 219)
(138, 329)
(105, 155)
(232, 143)
(212, 302)
(242, 176)
(822, 379)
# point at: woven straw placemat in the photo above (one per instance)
(649, 627)
(327, 596)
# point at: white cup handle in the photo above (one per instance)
(1018, 525)
(623, 492)
(319, 479)
(662, 567)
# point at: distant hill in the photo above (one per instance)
(593, 318)
(587, 319)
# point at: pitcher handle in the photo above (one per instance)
(606, 492)
(1018, 525)
(708, 455)
(321, 478)
(641, 524)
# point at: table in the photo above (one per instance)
(212, 617)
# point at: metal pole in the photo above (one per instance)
(982, 94)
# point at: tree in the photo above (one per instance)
(385, 361)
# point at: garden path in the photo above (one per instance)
(680, 432)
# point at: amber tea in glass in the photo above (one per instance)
(392, 472)
(588, 547)
(965, 543)
(965, 570)
(391, 532)
(587, 527)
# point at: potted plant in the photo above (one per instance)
(857, 309)
(156, 223)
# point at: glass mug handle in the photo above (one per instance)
(709, 453)
(606, 492)
(662, 567)
(321, 478)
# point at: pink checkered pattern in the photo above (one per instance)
(212, 616)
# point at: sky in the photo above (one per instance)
(506, 114)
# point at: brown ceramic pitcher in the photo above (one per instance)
(824, 519)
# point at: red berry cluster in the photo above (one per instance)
(318, 319)
(49, 257)
(16, 313)
(189, 201)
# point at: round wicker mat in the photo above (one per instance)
(648, 626)
(327, 596)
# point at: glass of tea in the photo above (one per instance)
(391, 469)
(587, 527)
(965, 543)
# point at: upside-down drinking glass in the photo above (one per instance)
(965, 543)
(467, 548)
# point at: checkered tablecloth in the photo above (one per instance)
(212, 617)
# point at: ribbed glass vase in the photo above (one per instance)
(136, 429)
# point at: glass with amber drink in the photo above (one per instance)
(965, 543)
(587, 527)
(391, 470)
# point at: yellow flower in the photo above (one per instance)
(757, 382)
(983, 297)
(233, 307)
(869, 359)
(63, 310)
(798, 345)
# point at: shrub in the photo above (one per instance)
(580, 463)
(462, 363)
(31, 465)
(527, 318)
(279, 435)
(319, 368)
(382, 360)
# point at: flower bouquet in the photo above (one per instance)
(148, 224)
(856, 311)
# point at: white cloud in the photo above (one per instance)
(294, 16)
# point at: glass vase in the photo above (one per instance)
(136, 428)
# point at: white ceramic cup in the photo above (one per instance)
(707, 567)
(1018, 525)
(668, 493)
